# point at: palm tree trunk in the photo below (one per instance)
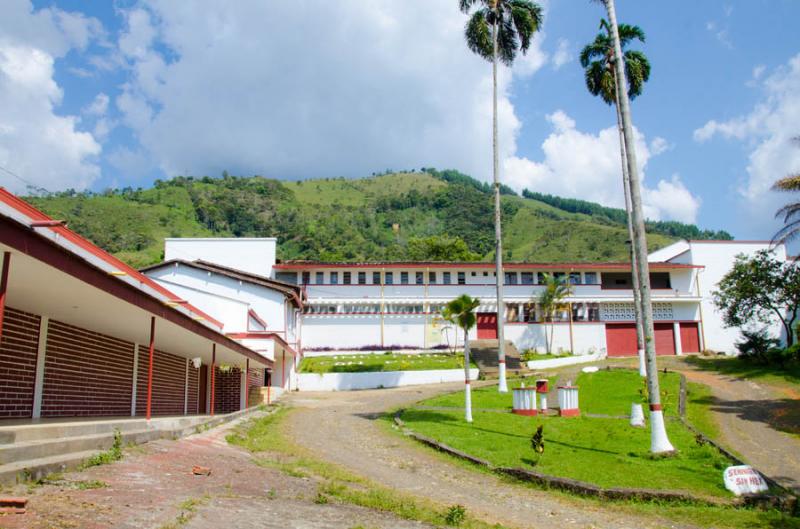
(659, 442)
(637, 298)
(467, 388)
(502, 386)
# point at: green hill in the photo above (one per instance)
(414, 215)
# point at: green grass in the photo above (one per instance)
(486, 397)
(611, 392)
(698, 401)
(788, 377)
(606, 452)
(361, 363)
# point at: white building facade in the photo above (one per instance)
(323, 308)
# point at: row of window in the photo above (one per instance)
(433, 277)
(523, 312)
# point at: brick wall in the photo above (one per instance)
(193, 390)
(255, 377)
(227, 390)
(169, 376)
(86, 373)
(18, 348)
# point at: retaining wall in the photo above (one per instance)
(380, 379)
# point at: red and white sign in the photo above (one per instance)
(743, 479)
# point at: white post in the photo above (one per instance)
(135, 375)
(38, 382)
(467, 389)
(243, 389)
(642, 364)
(521, 312)
(676, 329)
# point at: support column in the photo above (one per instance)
(521, 312)
(213, 374)
(186, 389)
(38, 381)
(150, 367)
(283, 369)
(135, 378)
(4, 287)
(571, 337)
(247, 383)
(676, 330)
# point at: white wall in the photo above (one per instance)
(386, 379)
(586, 337)
(254, 255)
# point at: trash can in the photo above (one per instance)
(568, 401)
(542, 389)
(524, 402)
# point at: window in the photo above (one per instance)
(348, 278)
(388, 278)
(376, 278)
(529, 312)
(334, 278)
(574, 278)
(560, 277)
(446, 278)
(306, 278)
(540, 278)
(320, 278)
(474, 274)
(590, 278)
(511, 312)
(511, 278)
(403, 278)
(486, 274)
(432, 278)
(362, 278)
(419, 278)
(586, 312)
(287, 277)
(527, 278)
(462, 279)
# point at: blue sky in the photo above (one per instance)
(105, 94)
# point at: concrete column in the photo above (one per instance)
(135, 377)
(521, 312)
(242, 388)
(677, 332)
(38, 381)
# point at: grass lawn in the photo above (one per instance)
(362, 363)
(483, 398)
(611, 392)
(607, 452)
(787, 378)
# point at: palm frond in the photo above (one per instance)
(466, 5)
(787, 183)
(637, 71)
(598, 49)
(628, 33)
(479, 35)
(507, 42)
(527, 17)
(787, 233)
(789, 212)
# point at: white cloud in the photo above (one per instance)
(562, 54)
(36, 142)
(767, 130)
(588, 166)
(236, 86)
(659, 145)
(98, 106)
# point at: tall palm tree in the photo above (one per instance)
(497, 30)
(461, 312)
(551, 300)
(791, 211)
(659, 442)
(597, 60)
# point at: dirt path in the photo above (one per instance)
(745, 411)
(341, 427)
(153, 487)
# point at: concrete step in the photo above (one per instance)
(22, 471)
(31, 450)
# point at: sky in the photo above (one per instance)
(113, 94)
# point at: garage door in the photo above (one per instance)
(621, 339)
(665, 339)
(690, 337)
(487, 326)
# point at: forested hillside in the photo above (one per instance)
(400, 216)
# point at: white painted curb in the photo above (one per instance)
(565, 361)
(379, 379)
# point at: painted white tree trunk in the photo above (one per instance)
(637, 298)
(502, 386)
(659, 442)
(467, 385)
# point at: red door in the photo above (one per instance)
(487, 326)
(665, 338)
(690, 337)
(621, 339)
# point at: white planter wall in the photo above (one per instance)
(551, 363)
(385, 379)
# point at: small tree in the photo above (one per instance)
(759, 289)
(461, 312)
(551, 300)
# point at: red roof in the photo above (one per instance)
(45, 221)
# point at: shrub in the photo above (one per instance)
(455, 515)
(757, 345)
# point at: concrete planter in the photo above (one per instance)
(551, 363)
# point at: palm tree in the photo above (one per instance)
(551, 300)
(791, 211)
(659, 442)
(498, 29)
(461, 312)
(597, 60)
